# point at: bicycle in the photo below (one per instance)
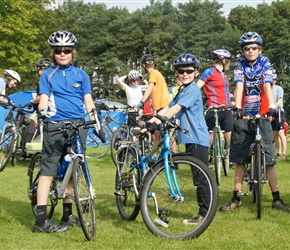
(13, 137)
(255, 172)
(219, 151)
(164, 191)
(97, 148)
(78, 171)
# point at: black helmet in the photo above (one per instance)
(43, 63)
(185, 60)
(62, 38)
(147, 59)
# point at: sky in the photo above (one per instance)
(133, 5)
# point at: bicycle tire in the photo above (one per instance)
(6, 147)
(226, 159)
(33, 174)
(217, 155)
(126, 198)
(84, 198)
(95, 148)
(258, 175)
(120, 134)
(170, 212)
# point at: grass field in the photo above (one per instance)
(238, 229)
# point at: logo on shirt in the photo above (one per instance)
(76, 85)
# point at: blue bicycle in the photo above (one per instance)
(168, 191)
(78, 170)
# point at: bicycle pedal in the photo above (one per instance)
(118, 192)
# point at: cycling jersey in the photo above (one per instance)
(253, 77)
(70, 80)
(216, 87)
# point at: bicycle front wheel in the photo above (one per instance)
(258, 183)
(33, 175)
(84, 198)
(95, 148)
(121, 134)
(171, 218)
(217, 155)
(127, 184)
(6, 147)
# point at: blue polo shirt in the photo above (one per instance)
(66, 89)
(191, 116)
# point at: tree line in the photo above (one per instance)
(111, 41)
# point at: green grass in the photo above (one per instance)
(238, 229)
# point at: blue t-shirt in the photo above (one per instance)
(66, 90)
(191, 116)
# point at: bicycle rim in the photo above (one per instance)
(33, 174)
(126, 182)
(217, 156)
(165, 216)
(121, 134)
(6, 147)
(95, 148)
(84, 199)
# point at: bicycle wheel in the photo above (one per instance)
(165, 216)
(84, 198)
(6, 147)
(95, 148)
(126, 184)
(120, 134)
(258, 183)
(33, 174)
(226, 159)
(217, 155)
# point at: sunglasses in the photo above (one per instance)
(134, 80)
(65, 51)
(187, 71)
(247, 48)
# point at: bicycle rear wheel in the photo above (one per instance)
(84, 198)
(217, 155)
(95, 148)
(6, 147)
(165, 216)
(33, 174)
(121, 134)
(126, 184)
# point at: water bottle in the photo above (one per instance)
(63, 166)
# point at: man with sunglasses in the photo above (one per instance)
(187, 107)
(253, 95)
(64, 92)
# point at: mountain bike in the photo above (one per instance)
(96, 148)
(219, 151)
(78, 170)
(13, 137)
(255, 172)
(166, 191)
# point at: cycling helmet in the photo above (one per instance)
(13, 74)
(185, 60)
(62, 38)
(250, 37)
(133, 74)
(147, 59)
(43, 63)
(221, 54)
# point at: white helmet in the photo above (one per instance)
(62, 38)
(143, 87)
(133, 75)
(12, 73)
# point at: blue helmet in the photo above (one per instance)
(185, 60)
(250, 37)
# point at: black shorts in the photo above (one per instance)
(279, 125)
(243, 136)
(225, 118)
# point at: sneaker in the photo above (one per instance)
(231, 205)
(195, 219)
(50, 227)
(72, 221)
(279, 204)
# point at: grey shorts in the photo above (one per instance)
(243, 136)
(56, 141)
